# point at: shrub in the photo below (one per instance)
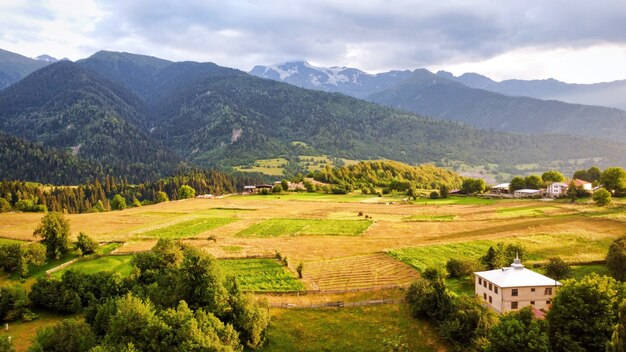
(161, 197)
(557, 268)
(185, 192)
(602, 197)
(434, 195)
(118, 202)
(86, 244)
(299, 269)
(458, 268)
(616, 259)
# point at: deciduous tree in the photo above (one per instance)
(616, 259)
(54, 230)
(583, 314)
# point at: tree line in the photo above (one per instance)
(113, 193)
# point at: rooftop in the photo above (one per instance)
(516, 276)
(526, 190)
(502, 185)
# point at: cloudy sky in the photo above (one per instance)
(571, 40)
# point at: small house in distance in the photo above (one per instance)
(587, 186)
(557, 189)
(502, 188)
(527, 193)
(514, 288)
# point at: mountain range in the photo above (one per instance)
(14, 67)
(143, 117)
(472, 99)
(611, 94)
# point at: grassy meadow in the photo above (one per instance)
(374, 328)
(186, 229)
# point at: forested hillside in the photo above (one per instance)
(219, 116)
(392, 174)
(24, 160)
(65, 106)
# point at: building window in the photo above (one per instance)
(532, 289)
(485, 284)
(514, 292)
(485, 296)
(548, 291)
(480, 281)
(532, 303)
(490, 288)
(495, 288)
(513, 305)
(548, 302)
(490, 299)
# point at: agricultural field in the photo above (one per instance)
(354, 243)
(570, 247)
(306, 227)
(350, 329)
(272, 167)
(261, 275)
(186, 229)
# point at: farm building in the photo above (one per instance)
(514, 288)
(526, 193)
(249, 189)
(557, 189)
(502, 188)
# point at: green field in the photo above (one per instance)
(524, 211)
(306, 227)
(114, 263)
(11, 241)
(261, 275)
(273, 167)
(374, 328)
(454, 201)
(570, 247)
(187, 229)
(422, 217)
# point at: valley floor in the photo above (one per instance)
(352, 248)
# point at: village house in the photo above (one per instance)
(557, 189)
(587, 186)
(515, 287)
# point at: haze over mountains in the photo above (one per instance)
(470, 98)
(143, 117)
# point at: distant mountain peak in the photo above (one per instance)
(46, 58)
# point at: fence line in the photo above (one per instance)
(331, 292)
(338, 304)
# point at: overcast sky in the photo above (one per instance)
(571, 40)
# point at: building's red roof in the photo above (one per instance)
(580, 183)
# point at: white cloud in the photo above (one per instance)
(566, 39)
